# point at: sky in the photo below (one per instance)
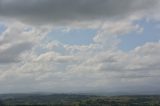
(80, 46)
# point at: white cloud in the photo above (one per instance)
(18, 38)
(100, 70)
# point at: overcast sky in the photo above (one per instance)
(80, 46)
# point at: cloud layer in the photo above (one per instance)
(65, 11)
(30, 63)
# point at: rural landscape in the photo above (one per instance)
(77, 100)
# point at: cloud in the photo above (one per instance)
(18, 38)
(12, 53)
(65, 11)
(109, 69)
(55, 57)
(42, 65)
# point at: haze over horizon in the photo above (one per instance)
(65, 46)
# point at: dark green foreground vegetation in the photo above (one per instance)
(77, 100)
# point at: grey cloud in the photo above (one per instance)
(62, 11)
(12, 53)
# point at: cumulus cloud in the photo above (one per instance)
(105, 69)
(56, 57)
(11, 54)
(18, 38)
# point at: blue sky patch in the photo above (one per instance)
(2, 28)
(73, 37)
(132, 40)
